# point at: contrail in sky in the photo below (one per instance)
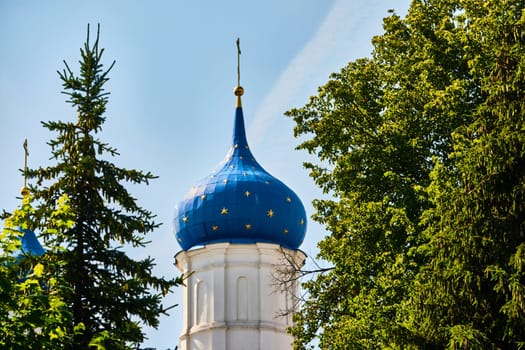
(339, 38)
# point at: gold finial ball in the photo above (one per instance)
(24, 191)
(238, 91)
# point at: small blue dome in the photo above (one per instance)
(240, 203)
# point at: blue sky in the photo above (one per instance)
(171, 105)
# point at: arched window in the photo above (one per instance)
(202, 302)
(242, 298)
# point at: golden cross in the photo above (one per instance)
(25, 190)
(238, 62)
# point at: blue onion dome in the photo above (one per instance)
(240, 202)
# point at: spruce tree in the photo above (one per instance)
(110, 294)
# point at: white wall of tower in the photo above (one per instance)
(230, 301)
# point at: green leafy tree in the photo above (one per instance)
(34, 314)
(471, 293)
(108, 292)
(420, 148)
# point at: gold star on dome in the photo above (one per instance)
(203, 197)
(247, 193)
(215, 227)
(248, 226)
(224, 211)
(301, 222)
(285, 231)
(185, 219)
(240, 157)
(270, 213)
(225, 181)
(236, 146)
(267, 182)
(288, 199)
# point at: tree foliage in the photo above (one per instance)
(421, 148)
(109, 293)
(34, 314)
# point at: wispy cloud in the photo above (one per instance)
(336, 41)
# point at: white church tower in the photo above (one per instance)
(235, 228)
